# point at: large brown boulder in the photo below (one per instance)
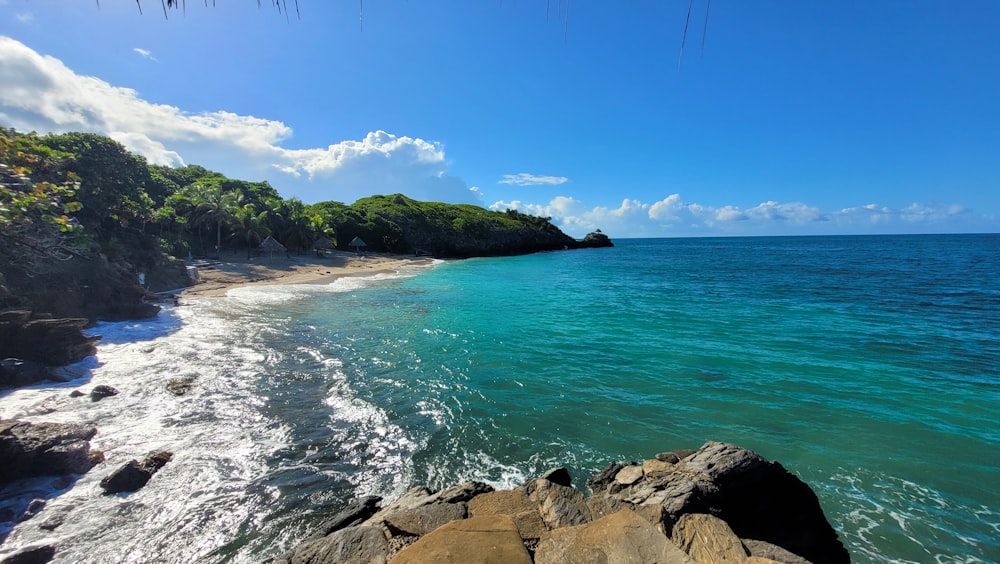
(708, 539)
(624, 537)
(28, 450)
(488, 539)
(363, 544)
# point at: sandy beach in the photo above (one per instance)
(236, 270)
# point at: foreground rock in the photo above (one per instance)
(52, 342)
(133, 475)
(15, 372)
(719, 504)
(28, 450)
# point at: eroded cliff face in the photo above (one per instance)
(88, 285)
(46, 300)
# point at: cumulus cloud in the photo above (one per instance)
(144, 53)
(42, 94)
(525, 179)
(672, 216)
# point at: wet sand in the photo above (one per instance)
(235, 270)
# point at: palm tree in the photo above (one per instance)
(251, 226)
(218, 207)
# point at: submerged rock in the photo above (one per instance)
(101, 392)
(180, 386)
(133, 475)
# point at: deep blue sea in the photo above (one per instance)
(869, 366)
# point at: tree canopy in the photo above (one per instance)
(61, 193)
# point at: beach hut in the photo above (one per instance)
(322, 246)
(357, 243)
(270, 246)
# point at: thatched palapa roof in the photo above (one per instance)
(324, 244)
(270, 245)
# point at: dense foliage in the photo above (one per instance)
(65, 193)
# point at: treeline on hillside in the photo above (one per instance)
(67, 193)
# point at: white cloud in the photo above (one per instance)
(145, 53)
(671, 216)
(25, 17)
(525, 179)
(41, 94)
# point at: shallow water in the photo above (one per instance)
(866, 365)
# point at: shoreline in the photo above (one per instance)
(235, 271)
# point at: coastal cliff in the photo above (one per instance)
(722, 503)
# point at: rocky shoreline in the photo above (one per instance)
(719, 504)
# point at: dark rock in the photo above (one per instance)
(15, 372)
(101, 392)
(762, 549)
(44, 449)
(595, 240)
(76, 394)
(52, 522)
(674, 456)
(559, 476)
(33, 509)
(33, 555)
(599, 482)
(462, 492)
(52, 342)
(354, 514)
(762, 500)
(180, 386)
(133, 475)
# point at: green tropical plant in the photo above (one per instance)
(251, 226)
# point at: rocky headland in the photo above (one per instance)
(719, 504)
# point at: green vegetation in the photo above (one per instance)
(66, 195)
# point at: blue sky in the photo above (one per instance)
(796, 118)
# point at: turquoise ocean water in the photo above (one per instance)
(869, 366)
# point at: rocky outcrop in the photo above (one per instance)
(32, 555)
(45, 449)
(52, 342)
(681, 507)
(596, 239)
(133, 475)
(15, 372)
